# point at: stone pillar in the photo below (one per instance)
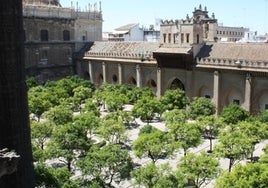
(14, 117)
(90, 71)
(119, 73)
(189, 84)
(138, 75)
(216, 91)
(248, 91)
(104, 72)
(159, 82)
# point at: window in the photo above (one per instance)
(169, 38)
(44, 35)
(175, 38)
(197, 39)
(164, 38)
(207, 96)
(83, 38)
(66, 35)
(236, 101)
(114, 78)
(266, 107)
(187, 37)
(182, 38)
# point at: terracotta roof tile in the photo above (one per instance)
(254, 52)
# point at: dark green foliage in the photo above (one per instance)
(112, 95)
(152, 176)
(201, 106)
(53, 178)
(31, 82)
(199, 169)
(234, 144)
(137, 93)
(249, 175)
(146, 108)
(263, 116)
(147, 129)
(106, 164)
(233, 113)
(174, 99)
(155, 145)
(60, 115)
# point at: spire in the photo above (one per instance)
(200, 7)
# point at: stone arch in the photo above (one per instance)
(132, 81)
(114, 78)
(151, 84)
(205, 91)
(100, 79)
(234, 96)
(87, 75)
(176, 84)
(263, 101)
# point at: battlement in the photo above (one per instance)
(60, 12)
(232, 63)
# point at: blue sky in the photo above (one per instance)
(245, 13)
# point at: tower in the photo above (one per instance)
(14, 122)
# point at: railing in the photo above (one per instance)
(59, 12)
(232, 63)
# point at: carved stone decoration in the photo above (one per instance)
(8, 162)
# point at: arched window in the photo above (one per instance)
(44, 35)
(66, 35)
(115, 78)
(132, 81)
(176, 84)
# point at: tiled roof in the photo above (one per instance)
(126, 27)
(132, 50)
(254, 52)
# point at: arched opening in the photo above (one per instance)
(66, 35)
(204, 91)
(86, 75)
(44, 35)
(263, 102)
(100, 79)
(114, 78)
(176, 84)
(151, 83)
(132, 81)
(234, 96)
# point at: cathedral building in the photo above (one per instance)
(54, 35)
(189, 56)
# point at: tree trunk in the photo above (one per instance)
(231, 162)
(210, 144)
(14, 122)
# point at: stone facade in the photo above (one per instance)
(54, 34)
(225, 72)
(231, 34)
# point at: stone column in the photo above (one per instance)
(248, 91)
(90, 71)
(188, 85)
(104, 72)
(119, 73)
(159, 82)
(14, 117)
(216, 91)
(138, 75)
